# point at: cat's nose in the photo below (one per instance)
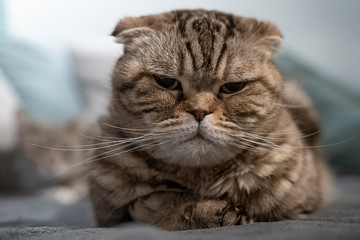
(199, 114)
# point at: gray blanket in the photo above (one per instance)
(40, 217)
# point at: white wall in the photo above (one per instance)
(326, 33)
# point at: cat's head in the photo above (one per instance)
(199, 81)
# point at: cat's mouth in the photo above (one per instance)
(197, 137)
(192, 147)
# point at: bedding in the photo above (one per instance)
(43, 216)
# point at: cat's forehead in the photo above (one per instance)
(202, 60)
(200, 46)
(212, 49)
(205, 25)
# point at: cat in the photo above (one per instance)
(200, 131)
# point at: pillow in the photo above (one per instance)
(2, 18)
(94, 59)
(42, 78)
(8, 115)
(339, 109)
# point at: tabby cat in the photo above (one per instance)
(201, 130)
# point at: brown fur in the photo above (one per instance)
(247, 160)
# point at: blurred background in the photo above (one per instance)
(56, 58)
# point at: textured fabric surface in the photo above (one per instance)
(43, 217)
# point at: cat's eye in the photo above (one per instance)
(168, 83)
(232, 87)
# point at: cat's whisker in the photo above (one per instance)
(88, 160)
(258, 143)
(269, 146)
(253, 35)
(213, 154)
(122, 144)
(138, 131)
(312, 146)
(77, 148)
(243, 146)
(149, 145)
(127, 129)
(292, 105)
(255, 149)
(299, 137)
(90, 147)
(120, 139)
(91, 159)
(283, 108)
(107, 144)
(249, 130)
(98, 138)
(330, 144)
(232, 157)
(249, 135)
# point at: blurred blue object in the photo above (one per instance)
(43, 79)
(2, 19)
(338, 105)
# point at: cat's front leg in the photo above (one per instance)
(212, 213)
(180, 211)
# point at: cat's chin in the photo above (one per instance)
(196, 151)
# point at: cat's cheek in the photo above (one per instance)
(162, 117)
(209, 130)
(244, 113)
(197, 152)
(164, 110)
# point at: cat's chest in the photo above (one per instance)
(229, 179)
(232, 183)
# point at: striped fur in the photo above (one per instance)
(249, 159)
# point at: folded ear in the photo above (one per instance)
(264, 34)
(270, 44)
(136, 27)
(270, 39)
(134, 35)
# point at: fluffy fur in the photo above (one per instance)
(248, 159)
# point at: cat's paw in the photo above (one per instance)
(212, 213)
